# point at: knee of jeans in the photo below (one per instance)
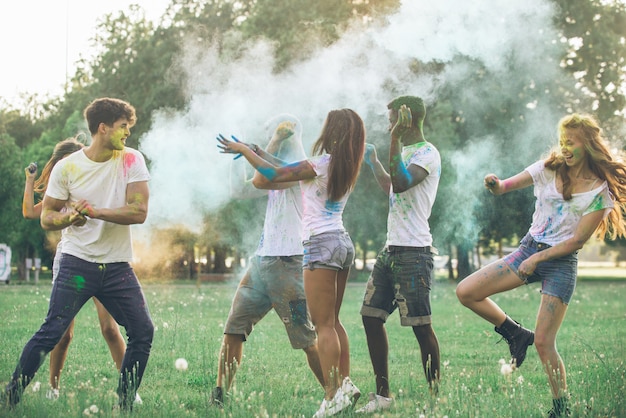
(142, 333)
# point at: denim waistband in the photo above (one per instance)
(530, 242)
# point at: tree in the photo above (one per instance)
(20, 126)
(593, 32)
(10, 199)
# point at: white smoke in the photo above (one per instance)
(362, 71)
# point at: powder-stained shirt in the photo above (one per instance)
(103, 185)
(320, 214)
(282, 229)
(555, 219)
(407, 223)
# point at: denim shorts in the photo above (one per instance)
(272, 282)
(401, 278)
(332, 250)
(557, 277)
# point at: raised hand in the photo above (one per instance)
(31, 171)
(231, 147)
(404, 122)
(370, 156)
(284, 130)
(492, 182)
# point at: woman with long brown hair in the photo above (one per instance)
(580, 190)
(326, 180)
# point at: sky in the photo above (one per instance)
(41, 40)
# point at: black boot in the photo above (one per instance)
(217, 397)
(12, 394)
(560, 408)
(518, 338)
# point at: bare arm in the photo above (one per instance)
(382, 177)
(403, 178)
(300, 170)
(498, 187)
(134, 212)
(53, 218)
(30, 210)
(261, 182)
(282, 132)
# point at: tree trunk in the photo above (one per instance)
(219, 263)
(463, 267)
(449, 264)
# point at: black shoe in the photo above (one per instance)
(518, 338)
(553, 414)
(217, 397)
(560, 408)
(11, 395)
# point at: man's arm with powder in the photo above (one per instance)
(134, 212)
(54, 218)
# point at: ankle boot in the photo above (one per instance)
(560, 408)
(518, 338)
(12, 394)
(217, 397)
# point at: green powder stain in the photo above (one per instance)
(80, 282)
(598, 203)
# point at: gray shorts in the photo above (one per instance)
(332, 250)
(272, 282)
(401, 278)
(557, 277)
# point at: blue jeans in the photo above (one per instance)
(557, 276)
(117, 287)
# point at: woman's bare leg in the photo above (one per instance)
(111, 333)
(58, 356)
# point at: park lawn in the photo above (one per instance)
(274, 381)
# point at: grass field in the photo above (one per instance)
(274, 380)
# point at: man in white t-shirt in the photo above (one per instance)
(274, 278)
(402, 276)
(105, 188)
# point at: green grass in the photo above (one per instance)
(274, 380)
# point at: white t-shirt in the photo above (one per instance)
(320, 214)
(555, 219)
(282, 229)
(103, 185)
(407, 222)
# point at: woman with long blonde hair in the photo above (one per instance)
(580, 190)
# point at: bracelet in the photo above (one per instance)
(254, 148)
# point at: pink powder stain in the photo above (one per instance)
(129, 160)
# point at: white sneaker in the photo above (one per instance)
(338, 403)
(350, 389)
(376, 403)
(138, 400)
(52, 394)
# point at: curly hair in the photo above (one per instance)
(602, 163)
(107, 110)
